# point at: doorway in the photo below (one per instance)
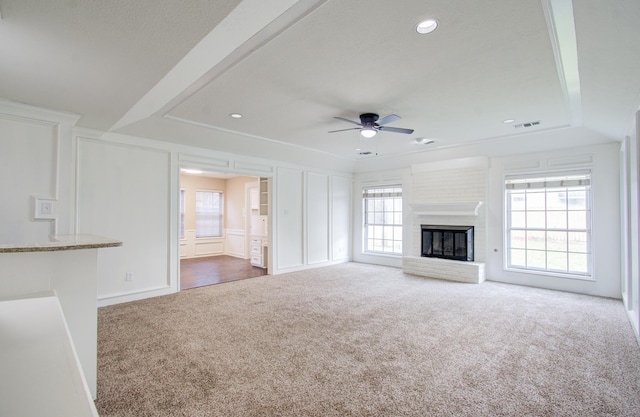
(219, 218)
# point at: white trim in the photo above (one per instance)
(446, 209)
(125, 297)
(562, 32)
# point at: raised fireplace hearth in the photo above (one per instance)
(447, 242)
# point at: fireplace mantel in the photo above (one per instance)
(469, 208)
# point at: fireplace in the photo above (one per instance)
(448, 242)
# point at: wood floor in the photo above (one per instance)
(198, 272)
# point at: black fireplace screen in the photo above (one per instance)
(449, 242)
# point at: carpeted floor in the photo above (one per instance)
(363, 340)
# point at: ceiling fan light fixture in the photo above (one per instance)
(426, 26)
(368, 132)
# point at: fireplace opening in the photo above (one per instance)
(448, 242)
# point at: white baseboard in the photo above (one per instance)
(133, 296)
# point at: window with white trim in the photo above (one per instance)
(209, 214)
(383, 219)
(548, 223)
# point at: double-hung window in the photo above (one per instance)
(209, 215)
(383, 219)
(548, 223)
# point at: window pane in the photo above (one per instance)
(577, 200)
(518, 257)
(556, 200)
(578, 262)
(577, 242)
(518, 239)
(518, 219)
(577, 219)
(557, 261)
(388, 218)
(209, 220)
(517, 201)
(535, 220)
(536, 200)
(557, 241)
(557, 220)
(535, 240)
(536, 259)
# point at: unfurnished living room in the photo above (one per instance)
(437, 203)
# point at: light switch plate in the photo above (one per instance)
(44, 209)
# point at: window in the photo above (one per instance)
(383, 219)
(181, 214)
(548, 223)
(209, 220)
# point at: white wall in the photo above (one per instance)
(340, 240)
(36, 160)
(603, 161)
(631, 226)
(312, 209)
(124, 192)
(481, 179)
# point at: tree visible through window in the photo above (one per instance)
(209, 220)
(548, 223)
(383, 219)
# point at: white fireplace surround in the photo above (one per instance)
(447, 209)
(459, 271)
(450, 270)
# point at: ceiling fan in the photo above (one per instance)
(370, 125)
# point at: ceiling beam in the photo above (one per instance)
(246, 21)
(562, 31)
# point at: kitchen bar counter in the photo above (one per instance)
(62, 242)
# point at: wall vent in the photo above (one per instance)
(528, 124)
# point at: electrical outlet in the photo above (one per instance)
(128, 276)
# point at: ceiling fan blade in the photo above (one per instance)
(347, 120)
(388, 119)
(342, 130)
(396, 130)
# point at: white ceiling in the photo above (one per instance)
(176, 70)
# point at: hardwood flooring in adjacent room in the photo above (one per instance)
(198, 272)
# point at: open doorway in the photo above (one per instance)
(224, 227)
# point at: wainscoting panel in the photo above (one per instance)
(235, 243)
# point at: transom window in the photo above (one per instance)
(383, 219)
(209, 220)
(548, 223)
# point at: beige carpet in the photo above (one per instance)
(362, 340)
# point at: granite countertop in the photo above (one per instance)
(62, 242)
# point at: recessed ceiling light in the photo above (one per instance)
(236, 115)
(426, 26)
(506, 122)
(424, 141)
